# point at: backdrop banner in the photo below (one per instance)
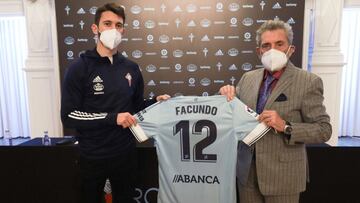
(182, 47)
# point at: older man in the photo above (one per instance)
(288, 99)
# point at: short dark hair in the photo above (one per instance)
(113, 7)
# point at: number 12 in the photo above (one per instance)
(211, 133)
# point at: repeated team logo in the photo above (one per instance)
(233, 22)
(164, 39)
(219, 7)
(164, 53)
(137, 54)
(246, 66)
(205, 82)
(205, 23)
(69, 40)
(248, 21)
(192, 67)
(191, 8)
(136, 9)
(178, 68)
(191, 82)
(150, 24)
(233, 7)
(247, 36)
(70, 55)
(194, 44)
(151, 68)
(92, 10)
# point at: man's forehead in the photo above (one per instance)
(111, 17)
(273, 36)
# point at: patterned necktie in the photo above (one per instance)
(264, 93)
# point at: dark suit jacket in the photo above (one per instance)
(281, 163)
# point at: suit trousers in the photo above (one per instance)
(250, 193)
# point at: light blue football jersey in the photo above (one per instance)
(196, 142)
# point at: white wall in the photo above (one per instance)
(328, 60)
(352, 3)
(11, 7)
(42, 67)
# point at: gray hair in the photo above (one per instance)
(274, 25)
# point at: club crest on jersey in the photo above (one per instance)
(98, 85)
(129, 78)
(251, 112)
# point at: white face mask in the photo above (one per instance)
(110, 38)
(274, 60)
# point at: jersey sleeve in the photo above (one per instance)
(147, 122)
(246, 125)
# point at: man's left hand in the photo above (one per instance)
(272, 119)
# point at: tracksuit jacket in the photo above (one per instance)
(94, 91)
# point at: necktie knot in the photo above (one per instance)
(269, 80)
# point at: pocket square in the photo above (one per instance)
(281, 97)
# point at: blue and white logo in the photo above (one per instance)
(69, 40)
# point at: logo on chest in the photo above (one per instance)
(129, 78)
(98, 86)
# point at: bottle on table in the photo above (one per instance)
(8, 136)
(46, 140)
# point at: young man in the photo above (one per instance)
(290, 100)
(101, 90)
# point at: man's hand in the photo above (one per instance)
(163, 97)
(228, 91)
(125, 119)
(272, 119)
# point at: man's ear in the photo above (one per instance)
(258, 52)
(291, 50)
(94, 29)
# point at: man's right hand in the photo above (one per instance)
(228, 91)
(125, 119)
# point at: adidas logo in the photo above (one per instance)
(291, 21)
(219, 53)
(151, 83)
(191, 24)
(177, 9)
(205, 39)
(97, 80)
(276, 6)
(81, 11)
(233, 67)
